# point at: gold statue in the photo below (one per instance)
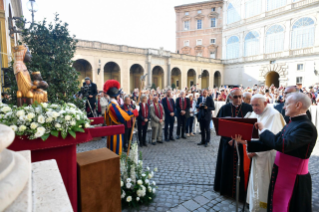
(28, 91)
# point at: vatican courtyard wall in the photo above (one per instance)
(156, 63)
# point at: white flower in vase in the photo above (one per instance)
(49, 120)
(67, 117)
(128, 180)
(57, 125)
(33, 125)
(139, 182)
(22, 128)
(87, 125)
(154, 183)
(150, 176)
(128, 185)
(122, 183)
(155, 169)
(137, 199)
(30, 116)
(6, 109)
(73, 123)
(128, 199)
(154, 190)
(143, 175)
(147, 168)
(45, 105)
(14, 128)
(78, 117)
(147, 181)
(123, 194)
(40, 132)
(150, 189)
(38, 110)
(41, 119)
(55, 114)
(20, 113)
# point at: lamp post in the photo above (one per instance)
(32, 7)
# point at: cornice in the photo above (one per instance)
(186, 18)
(199, 16)
(213, 14)
(200, 5)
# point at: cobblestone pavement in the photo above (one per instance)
(186, 175)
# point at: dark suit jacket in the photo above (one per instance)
(140, 115)
(178, 107)
(205, 114)
(280, 109)
(93, 91)
(164, 103)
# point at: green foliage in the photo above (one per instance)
(173, 86)
(11, 80)
(153, 86)
(52, 49)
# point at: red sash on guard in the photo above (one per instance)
(288, 169)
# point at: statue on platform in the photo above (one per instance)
(28, 91)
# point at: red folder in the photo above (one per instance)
(230, 127)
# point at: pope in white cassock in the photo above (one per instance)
(262, 162)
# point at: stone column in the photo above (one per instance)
(241, 45)
(224, 14)
(149, 71)
(169, 78)
(224, 40)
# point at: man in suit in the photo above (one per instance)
(92, 92)
(128, 106)
(142, 121)
(279, 107)
(169, 108)
(205, 105)
(182, 106)
(157, 115)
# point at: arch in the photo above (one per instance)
(136, 71)
(205, 79)
(272, 78)
(232, 47)
(232, 14)
(274, 4)
(112, 71)
(158, 77)
(191, 77)
(84, 68)
(252, 8)
(274, 39)
(217, 79)
(280, 69)
(176, 78)
(303, 33)
(251, 43)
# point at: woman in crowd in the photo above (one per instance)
(190, 120)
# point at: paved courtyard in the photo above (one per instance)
(186, 175)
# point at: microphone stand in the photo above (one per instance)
(238, 177)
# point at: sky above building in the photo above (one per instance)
(138, 23)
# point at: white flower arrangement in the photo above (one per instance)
(43, 120)
(136, 188)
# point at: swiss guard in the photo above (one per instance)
(114, 115)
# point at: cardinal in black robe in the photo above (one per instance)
(226, 166)
(290, 188)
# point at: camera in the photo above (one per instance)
(85, 91)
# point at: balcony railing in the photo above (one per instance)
(273, 55)
(296, 52)
(302, 3)
(275, 11)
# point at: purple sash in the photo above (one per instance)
(288, 169)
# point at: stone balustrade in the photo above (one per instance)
(302, 3)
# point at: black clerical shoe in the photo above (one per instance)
(153, 143)
(201, 143)
(206, 145)
(145, 145)
(167, 140)
(172, 139)
(177, 137)
(160, 142)
(183, 137)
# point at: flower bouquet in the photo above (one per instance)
(137, 188)
(42, 120)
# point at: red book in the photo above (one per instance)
(229, 128)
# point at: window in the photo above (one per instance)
(274, 39)
(199, 24)
(251, 44)
(186, 43)
(186, 13)
(199, 11)
(303, 33)
(213, 22)
(213, 55)
(213, 9)
(232, 48)
(299, 67)
(177, 83)
(299, 80)
(232, 14)
(253, 8)
(186, 25)
(198, 42)
(274, 4)
(273, 62)
(213, 41)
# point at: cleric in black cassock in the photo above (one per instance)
(226, 166)
(290, 188)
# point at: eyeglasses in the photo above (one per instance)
(236, 97)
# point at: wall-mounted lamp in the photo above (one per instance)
(99, 68)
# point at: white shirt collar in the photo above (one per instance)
(114, 101)
(303, 114)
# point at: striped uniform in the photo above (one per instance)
(115, 115)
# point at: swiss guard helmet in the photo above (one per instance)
(112, 88)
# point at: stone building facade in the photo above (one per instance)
(271, 42)
(102, 61)
(199, 29)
